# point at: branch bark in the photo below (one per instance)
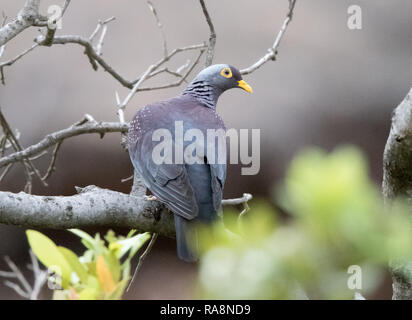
(91, 207)
(26, 18)
(397, 182)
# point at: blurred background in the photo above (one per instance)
(329, 86)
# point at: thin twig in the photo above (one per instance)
(178, 82)
(23, 288)
(212, 37)
(122, 106)
(54, 138)
(17, 289)
(95, 58)
(236, 201)
(5, 171)
(99, 26)
(273, 51)
(134, 90)
(13, 60)
(51, 167)
(19, 275)
(142, 257)
(99, 45)
(127, 179)
(28, 164)
(65, 6)
(159, 25)
(40, 276)
(243, 201)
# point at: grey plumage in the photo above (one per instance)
(193, 192)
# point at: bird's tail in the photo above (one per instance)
(186, 239)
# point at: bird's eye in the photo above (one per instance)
(226, 72)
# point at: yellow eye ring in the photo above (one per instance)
(226, 72)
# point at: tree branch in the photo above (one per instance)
(273, 51)
(91, 207)
(397, 182)
(83, 127)
(22, 286)
(26, 18)
(94, 57)
(159, 25)
(212, 38)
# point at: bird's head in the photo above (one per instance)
(223, 77)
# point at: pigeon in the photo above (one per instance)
(188, 182)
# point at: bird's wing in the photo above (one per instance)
(218, 175)
(168, 182)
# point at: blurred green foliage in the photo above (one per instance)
(102, 272)
(337, 220)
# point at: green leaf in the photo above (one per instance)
(131, 233)
(88, 294)
(93, 282)
(118, 292)
(48, 254)
(88, 240)
(113, 263)
(74, 262)
(133, 244)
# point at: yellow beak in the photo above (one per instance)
(243, 84)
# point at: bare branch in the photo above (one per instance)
(28, 164)
(40, 276)
(4, 19)
(142, 257)
(52, 162)
(23, 288)
(65, 6)
(7, 274)
(6, 171)
(273, 51)
(101, 24)
(159, 25)
(94, 57)
(233, 202)
(85, 127)
(92, 207)
(176, 83)
(122, 106)
(212, 38)
(18, 274)
(94, 54)
(17, 289)
(13, 60)
(127, 179)
(48, 39)
(397, 182)
(26, 18)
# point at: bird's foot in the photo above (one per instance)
(150, 198)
